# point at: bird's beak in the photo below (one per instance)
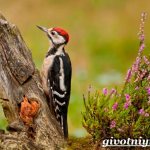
(43, 28)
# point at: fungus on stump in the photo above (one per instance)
(30, 123)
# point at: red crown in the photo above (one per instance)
(63, 33)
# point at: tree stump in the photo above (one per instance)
(20, 79)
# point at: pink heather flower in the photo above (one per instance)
(148, 91)
(113, 91)
(141, 32)
(127, 97)
(143, 74)
(148, 102)
(138, 61)
(146, 60)
(115, 106)
(137, 88)
(142, 37)
(141, 111)
(128, 77)
(141, 47)
(105, 91)
(148, 77)
(146, 115)
(135, 66)
(127, 104)
(113, 124)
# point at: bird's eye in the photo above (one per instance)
(52, 32)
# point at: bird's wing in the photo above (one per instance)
(59, 81)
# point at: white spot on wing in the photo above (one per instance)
(57, 108)
(60, 95)
(60, 103)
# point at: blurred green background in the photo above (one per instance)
(102, 46)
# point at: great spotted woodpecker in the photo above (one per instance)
(56, 75)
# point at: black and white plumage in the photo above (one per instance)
(56, 75)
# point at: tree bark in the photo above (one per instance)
(19, 78)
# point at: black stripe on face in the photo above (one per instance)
(50, 38)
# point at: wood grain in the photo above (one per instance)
(18, 78)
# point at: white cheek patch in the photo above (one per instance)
(58, 39)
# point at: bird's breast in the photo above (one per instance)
(48, 61)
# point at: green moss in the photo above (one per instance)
(85, 143)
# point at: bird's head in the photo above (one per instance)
(56, 35)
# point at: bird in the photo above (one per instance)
(56, 75)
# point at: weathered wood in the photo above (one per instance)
(19, 77)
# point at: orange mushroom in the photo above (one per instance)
(28, 110)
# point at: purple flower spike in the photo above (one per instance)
(135, 66)
(128, 77)
(115, 106)
(105, 91)
(142, 47)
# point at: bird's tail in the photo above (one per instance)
(65, 128)
(64, 125)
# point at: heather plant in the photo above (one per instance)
(125, 113)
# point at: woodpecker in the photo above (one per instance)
(56, 75)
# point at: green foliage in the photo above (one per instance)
(126, 113)
(3, 121)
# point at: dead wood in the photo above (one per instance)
(18, 78)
